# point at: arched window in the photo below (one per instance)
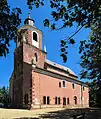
(75, 100)
(35, 36)
(36, 59)
(64, 84)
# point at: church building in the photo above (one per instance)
(37, 82)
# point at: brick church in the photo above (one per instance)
(37, 82)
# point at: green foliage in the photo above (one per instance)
(94, 94)
(84, 13)
(9, 21)
(4, 96)
(91, 54)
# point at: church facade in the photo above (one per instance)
(37, 82)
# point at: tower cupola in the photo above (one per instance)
(29, 34)
(29, 21)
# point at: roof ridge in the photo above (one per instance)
(60, 66)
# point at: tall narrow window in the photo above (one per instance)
(64, 101)
(35, 36)
(59, 84)
(64, 84)
(48, 100)
(73, 85)
(59, 100)
(68, 101)
(55, 100)
(36, 59)
(44, 99)
(75, 100)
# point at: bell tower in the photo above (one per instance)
(31, 39)
(27, 56)
(30, 34)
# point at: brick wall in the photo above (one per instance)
(28, 53)
(49, 86)
(18, 78)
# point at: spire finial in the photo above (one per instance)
(29, 21)
(29, 14)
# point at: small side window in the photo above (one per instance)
(59, 84)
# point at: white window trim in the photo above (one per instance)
(35, 43)
(62, 84)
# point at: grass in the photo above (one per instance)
(50, 113)
(18, 113)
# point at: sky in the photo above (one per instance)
(50, 38)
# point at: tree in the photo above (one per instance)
(4, 96)
(91, 55)
(92, 93)
(9, 21)
(84, 13)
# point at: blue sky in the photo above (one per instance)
(50, 38)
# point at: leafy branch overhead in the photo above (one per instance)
(9, 21)
(82, 12)
(91, 54)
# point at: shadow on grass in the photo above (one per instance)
(86, 113)
(65, 114)
(27, 118)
